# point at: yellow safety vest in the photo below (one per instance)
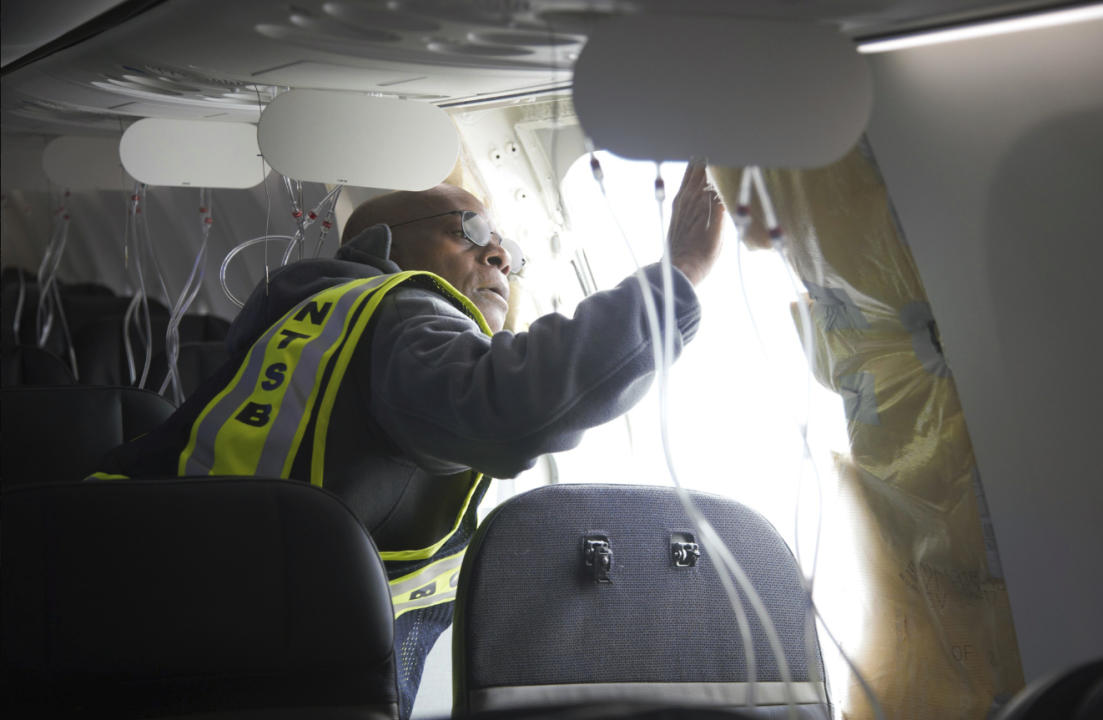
(287, 386)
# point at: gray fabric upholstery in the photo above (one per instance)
(533, 626)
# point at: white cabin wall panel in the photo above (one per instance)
(992, 151)
(94, 251)
(29, 201)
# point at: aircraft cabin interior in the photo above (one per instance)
(866, 483)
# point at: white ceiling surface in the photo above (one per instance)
(993, 154)
(26, 26)
(211, 59)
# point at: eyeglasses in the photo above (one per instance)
(477, 231)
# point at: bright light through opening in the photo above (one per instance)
(985, 29)
(736, 403)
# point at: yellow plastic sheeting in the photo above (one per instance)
(938, 640)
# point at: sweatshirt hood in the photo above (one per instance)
(366, 255)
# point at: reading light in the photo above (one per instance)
(984, 29)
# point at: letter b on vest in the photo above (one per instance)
(255, 414)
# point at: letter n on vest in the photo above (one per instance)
(317, 314)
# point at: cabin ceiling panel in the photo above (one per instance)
(193, 59)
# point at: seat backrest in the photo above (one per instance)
(60, 433)
(539, 621)
(100, 345)
(214, 596)
(203, 328)
(197, 362)
(1074, 693)
(31, 365)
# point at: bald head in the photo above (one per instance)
(397, 207)
(427, 233)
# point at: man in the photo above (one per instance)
(382, 376)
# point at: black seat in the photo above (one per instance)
(61, 433)
(31, 365)
(203, 328)
(220, 597)
(1072, 694)
(596, 595)
(100, 345)
(197, 362)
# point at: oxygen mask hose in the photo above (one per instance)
(297, 215)
(138, 309)
(147, 335)
(701, 525)
(47, 275)
(753, 180)
(187, 297)
(234, 252)
(327, 217)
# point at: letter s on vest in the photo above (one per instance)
(275, 374)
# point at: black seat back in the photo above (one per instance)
(541, 619)
(197, 362)
(135, 598)
(1075, 693)
(100, 345)
(32, 365)
(61, 433)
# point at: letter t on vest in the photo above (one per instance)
(288, 336)
(255, 414)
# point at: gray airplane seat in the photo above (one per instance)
(599, 594)
(100, 345)
(203, 328)
(197, 362)
(57, 434)
(31, 365)
(212, 597)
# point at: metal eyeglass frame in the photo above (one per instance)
(512, 248)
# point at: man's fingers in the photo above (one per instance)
(695, 174)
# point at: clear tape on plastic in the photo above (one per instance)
(938, 638)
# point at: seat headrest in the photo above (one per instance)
(30, 365)
(54, 434)
(192, 595)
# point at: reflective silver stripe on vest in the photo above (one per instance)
(433, 584)
(275, 448)
(713, 694)
(303, 379)
(201, 459)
